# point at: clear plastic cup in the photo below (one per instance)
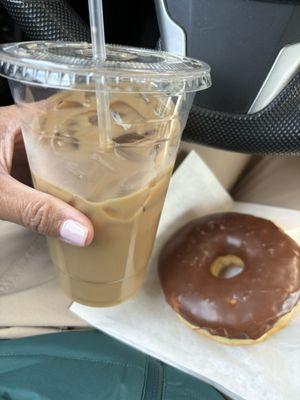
(121, 184)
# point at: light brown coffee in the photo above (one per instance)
(120, 188)
(112, 267)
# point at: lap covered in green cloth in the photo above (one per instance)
(90, 365)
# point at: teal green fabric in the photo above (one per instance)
(90, 365)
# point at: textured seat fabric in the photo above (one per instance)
(273, 130)
(90, 365)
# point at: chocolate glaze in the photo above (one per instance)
(242, 307)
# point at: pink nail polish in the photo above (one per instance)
(73, 232)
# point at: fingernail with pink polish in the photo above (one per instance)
(73, 232)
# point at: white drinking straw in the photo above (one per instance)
(99, 54)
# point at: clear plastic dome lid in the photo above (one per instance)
(65, 65)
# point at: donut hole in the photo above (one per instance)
(227, 266)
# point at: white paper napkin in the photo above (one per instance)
(265, 371)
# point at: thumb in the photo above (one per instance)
(43, 213)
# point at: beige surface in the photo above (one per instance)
(44, 305)
(29, 296)
(21, 331)
(227, 166)
(30, 299)
(273, 181)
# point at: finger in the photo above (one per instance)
(43, 213)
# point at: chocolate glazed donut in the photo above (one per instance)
(195, 267)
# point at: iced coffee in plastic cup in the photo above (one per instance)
(120, 184)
